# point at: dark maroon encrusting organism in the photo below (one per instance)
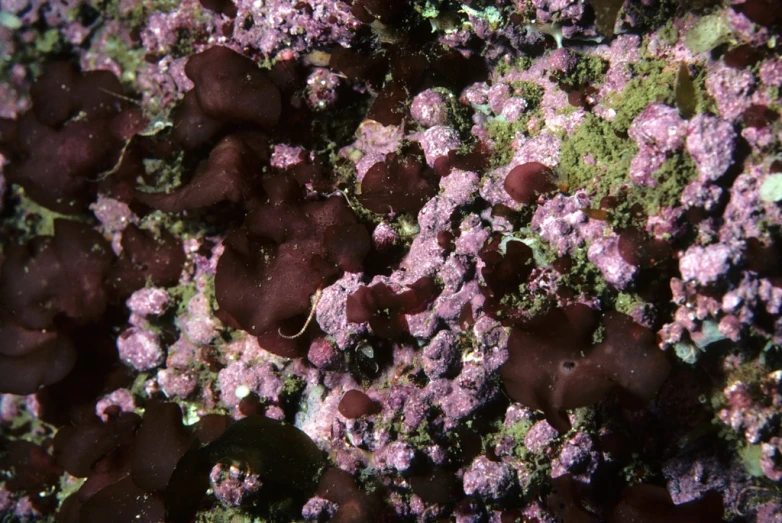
(503, 273)
(742, 56)
(398, 184)
(636, 248)
(50, 280)
(226, 7)
(355, 404)
(653, 504)
(525, 182)
(553, 365)
(127, 461)
(253, 97)
(759, 116)
(35, 471)
(146, 258)
(762, 12)
(230, 174)
(355, 505)
(439, 485)
(61, 160)
(286, 250)
(286, 460)
(385, 309)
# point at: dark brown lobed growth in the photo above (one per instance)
(355, 404)
(231, 87)
(398, 184)
(503, 273)
(127, 461)
(49, 280)
(230, 174)
(58, 158)
(385, 309)
(554, 366)
(285, 252)
(525, 182)
(287, 460)
(355, 505)
(146, 258)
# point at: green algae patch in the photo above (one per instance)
(30, 219)
(771, 189)
(589, 70)
(584, 277)
(626, 303)
(530, 91)
(653, 82)
(595, 158)
(708, 32)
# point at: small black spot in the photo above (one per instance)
(248, 23)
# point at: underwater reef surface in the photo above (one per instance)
(376, 261)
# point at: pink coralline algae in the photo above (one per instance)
(562, 222)
(140, 348)
(232, 485)
(488, 479)
(710, 142)
(705, 264)
(429, 109)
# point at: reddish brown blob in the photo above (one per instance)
(56, 165)
(445, 240)
(226, 7)
(525, 182)
(576, 98)
(762, 12)
(355, 404)
(192, 127)
(159, 443)
(653, 504)
(741, 57)
(504, 273)
(125, 502)
(553, 366)
(438, 486)
(232, 88)
(144, 258)
(62, 92)
(389, 107)
(758, 116)
(77, 448)
(475, 160)
(286, 250)
(56, 275)
(398, 184)
(385, 309)
(230, 174)
(355, 505)
(636, 248)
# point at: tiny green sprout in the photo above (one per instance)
(771, 189)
